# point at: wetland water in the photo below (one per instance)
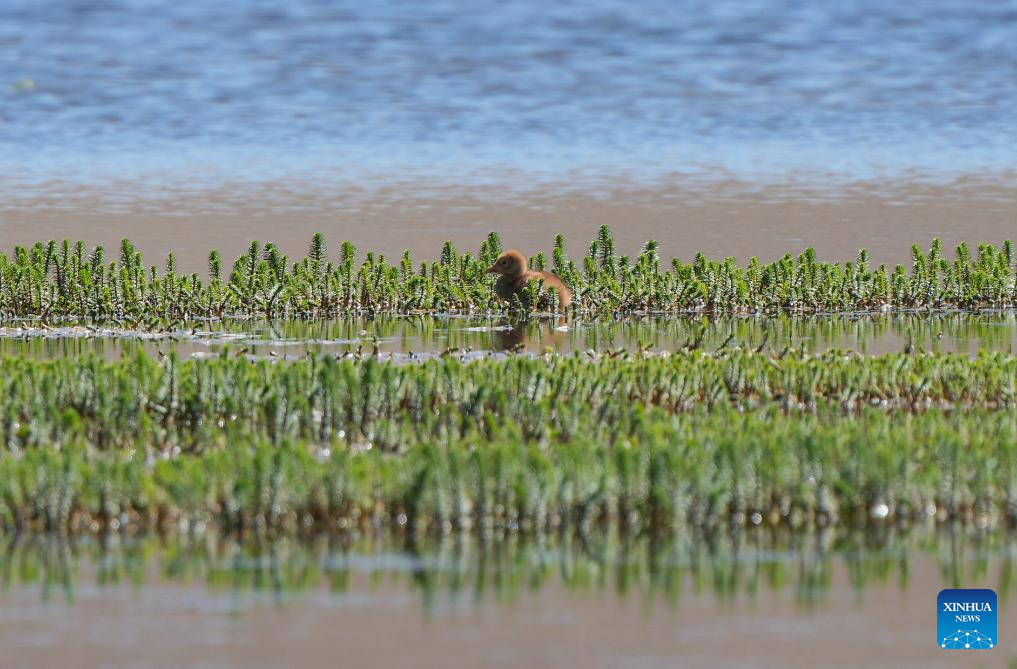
(743, 599)
(472, 336)
(194, 93)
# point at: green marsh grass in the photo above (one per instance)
(67, 280)
(646, 442)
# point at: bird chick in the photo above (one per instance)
(515, 274)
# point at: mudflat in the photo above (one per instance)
(721, 217)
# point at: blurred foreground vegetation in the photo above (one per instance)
(529, 444)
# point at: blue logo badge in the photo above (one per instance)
(966, 619)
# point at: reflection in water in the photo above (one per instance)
(725, 565)
(520, 334)
(428, 335)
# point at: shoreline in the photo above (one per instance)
(725, 217)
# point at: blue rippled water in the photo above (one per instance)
(246, 90)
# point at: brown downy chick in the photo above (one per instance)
(515, 274)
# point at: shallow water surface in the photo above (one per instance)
(412, 338)
(727, 600)
(196, 91)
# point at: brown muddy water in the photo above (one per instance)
(742, 600)
(412, 338)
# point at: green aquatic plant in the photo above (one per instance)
(649, 442)
(702, 471)
(51, 280)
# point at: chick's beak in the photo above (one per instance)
(493, 269)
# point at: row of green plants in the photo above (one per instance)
(662, 473)
(669, 570)
(197, 404)
(56, 280)
(654, 442)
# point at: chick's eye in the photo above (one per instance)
(504, 262)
